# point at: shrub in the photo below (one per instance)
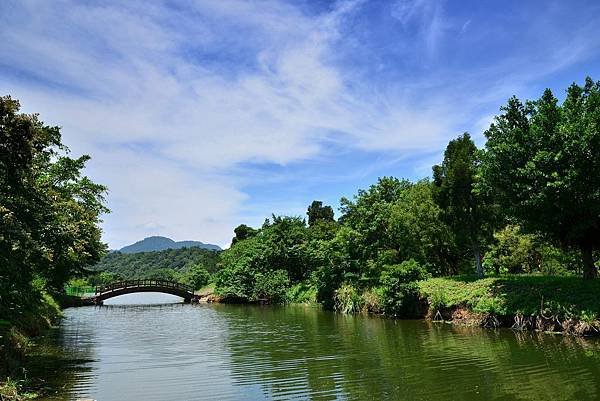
(272, 286)
(197, 277)
(347, 299)
(301, 293)
(400, 292)
(371, 300)
(438, 299)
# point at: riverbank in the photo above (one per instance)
(567, 305)
(16, 339)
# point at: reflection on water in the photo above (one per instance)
(220, 352)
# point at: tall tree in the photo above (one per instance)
(542, 161)
(49, 212)
(464, 208)
(317, 212)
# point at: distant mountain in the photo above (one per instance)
(156, 243)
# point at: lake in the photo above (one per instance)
(183, 352)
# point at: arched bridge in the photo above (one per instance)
(131, 286)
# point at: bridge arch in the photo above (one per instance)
(132, 286)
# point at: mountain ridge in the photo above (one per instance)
(160, 243)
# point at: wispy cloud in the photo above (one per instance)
(180, 103)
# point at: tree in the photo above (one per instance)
(243, 232)
(197, 276)
(399, 288)
(319, 213)
(541, 161)
(419, 232)
(514, 252)
(49, 211)
(368, 216)
(464, 208)
(162, 274)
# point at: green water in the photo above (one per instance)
(225, 352)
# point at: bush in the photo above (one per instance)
(301, 293)
(197, 277)
(400, 292)
(272, 286)
(371, 300)
(347, 299)
(438, 300)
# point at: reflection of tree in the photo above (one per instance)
(59, 361)
(313, 354)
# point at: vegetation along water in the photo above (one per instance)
(506, 235)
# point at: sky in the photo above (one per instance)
(202, 115)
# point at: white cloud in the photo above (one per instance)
(169, 102)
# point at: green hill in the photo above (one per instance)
(144, 264)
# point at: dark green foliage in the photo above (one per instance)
(103, 278)
(368, 215)
(397, 232)
(162, 274)
(151, 264)
(319, 213)
(271, 286)
(243, 232)
(516, 252)
(49, 212)
(541, 162)
(465, 209)
(399, 288)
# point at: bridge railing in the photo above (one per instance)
(143, 283)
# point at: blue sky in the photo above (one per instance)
(201, 115)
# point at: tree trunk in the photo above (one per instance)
(589, 269)
(477, 255)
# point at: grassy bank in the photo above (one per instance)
(567, 304)
(16, 336)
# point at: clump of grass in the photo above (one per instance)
(11, 390)
(347, 299)
(371, 301)
(301, 293)
(438, 299)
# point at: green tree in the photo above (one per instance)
(513, 252)
(541, 160)
(368, 216)
(49, 211)
(418, 231)
(465, 209)
(243, 232)
(319, 213)
(163, 274)
(197, 277)
(399, 289)
(252, 267)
